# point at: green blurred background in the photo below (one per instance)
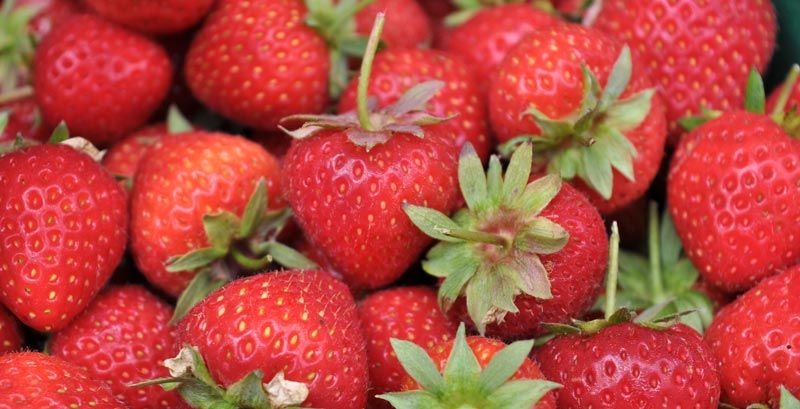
(788, 50)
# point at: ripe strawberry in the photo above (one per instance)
(51, 14)
(474, 372)
(34, 380)
(152, 16)
(782, 102)
(395, 71)
(521, 254)
(755, 341)
(10, 332)
(104, 81)
(121, 338)
(698, 52)
(407, 26)
(63, 221)
(24, 119)
(599, 126)
(406, 313)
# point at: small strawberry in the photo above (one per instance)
(785, 105)
(121, 338)
(34, 380)
(698, 52)
(520, 254)
(282, 339)
(152, 16)
(474, 372)
(395, 71)
(24, 119)
(347, 177)
(103, 80)
(406, 313)
(407, 26)
(10, 332)
(63, 223)
(589, 109)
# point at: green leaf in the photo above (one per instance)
(503, 291)
(446, 259)
(541, 236)
(692, 320)
(416, 99)
(418, 365)
(289, 257)
(634, 274)
(628, 114)
(755, 97)
(566, 163)
(249, 392)
(538, 194)
(339, 74)
(432, 222)
(220, 229)
(255, 210)
(4, 115)
(690, 123)
(596, 171)
(619, 151)
(617, 80)
(680, 276)
(521, 394)
(555, 129)
(453, 285)
(530, 275)
(703, 307)
(195, 259)
(201, 286)
(494, 180)
(412, 400)
(518, 173)
(670, 242)
(353, 46)
(462, 366)
(471, 177)
(198, 395)
(459, 17)
(479, 299)
(788, 401)
(176, 122)
(60, 134)
(504, 364)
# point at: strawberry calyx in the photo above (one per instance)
(463, 384)
(489, 251)
(16, 44)
(60, 135)
(789, 120)
(590, 143)
(189, 375)
(468, 8)
(787, 401)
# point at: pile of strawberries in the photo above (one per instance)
(350, 204)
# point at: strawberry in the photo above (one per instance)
(104, 81)
(395, 71)
(407, 26)
(347, 176)
(24, 119)
(698, 52)
(34, 380)
(406, 313)
(731, 189)
(63, 220)
(593, 120)
(755, 341)
(282, 338)
(474, 372)
(10, 333)
(520, 254)
(121, 338)
(51, 14)
(785, 104)
(152, 16)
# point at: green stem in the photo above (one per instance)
(250, 263)
(478, 236)
(366, 70)
(15, 94)
(613, 271)
(654, 244)
(786, 92)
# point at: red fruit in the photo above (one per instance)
(63, 222)
(407, 26)
(407, 313)
(793, 101)
(183, 178)
(121, 338)
(395, 71)
(755, 341)
(52, 13)
(152, 16)
(24, 119)
(698, 52)
(34, 380)
(731, 192)
(123, 158)
(485, 39)
(629, 366)
(613, 161)
(102, 80)
(437, 10)
(10, 333)
(301, 323)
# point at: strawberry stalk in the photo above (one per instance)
(656, 281)
(613, 271)
(366, 71)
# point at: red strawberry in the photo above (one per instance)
(698, 52)
(407, 26)
(24, 119)
(104, 81)
(755, 341)
(602, 128)
(406, 313)
(52, 13)
(782, 102)
(34, 380)
(10, 333)
(488, 35)
(63, 220)
(152, 16)
(121, 338)
(395, 71)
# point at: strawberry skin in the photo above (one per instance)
(152, 16)
(182, 178)
(24, 119)
(10, 332)
(396, 70)
(34, 380)
(102, 80)
(303, 323)
(629, 366)
(698, 52)
(407, 25)
(259, 76)
(755, 341)
(732, 192)
(52, 14)
(123, 158)
(121, 338)
(63, 222)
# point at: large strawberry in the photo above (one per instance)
(34, 380)
(520, 254)
(589, 109)
(347, 177)
(474, 372)
(121, 338)
(731, 189)
(407, 25)
(406, 313)
(282, 339)
(10, 332)
(152, 16)
(395, 71)
(63, 223)
(755, 341)
(698, 52)
(103, 80)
